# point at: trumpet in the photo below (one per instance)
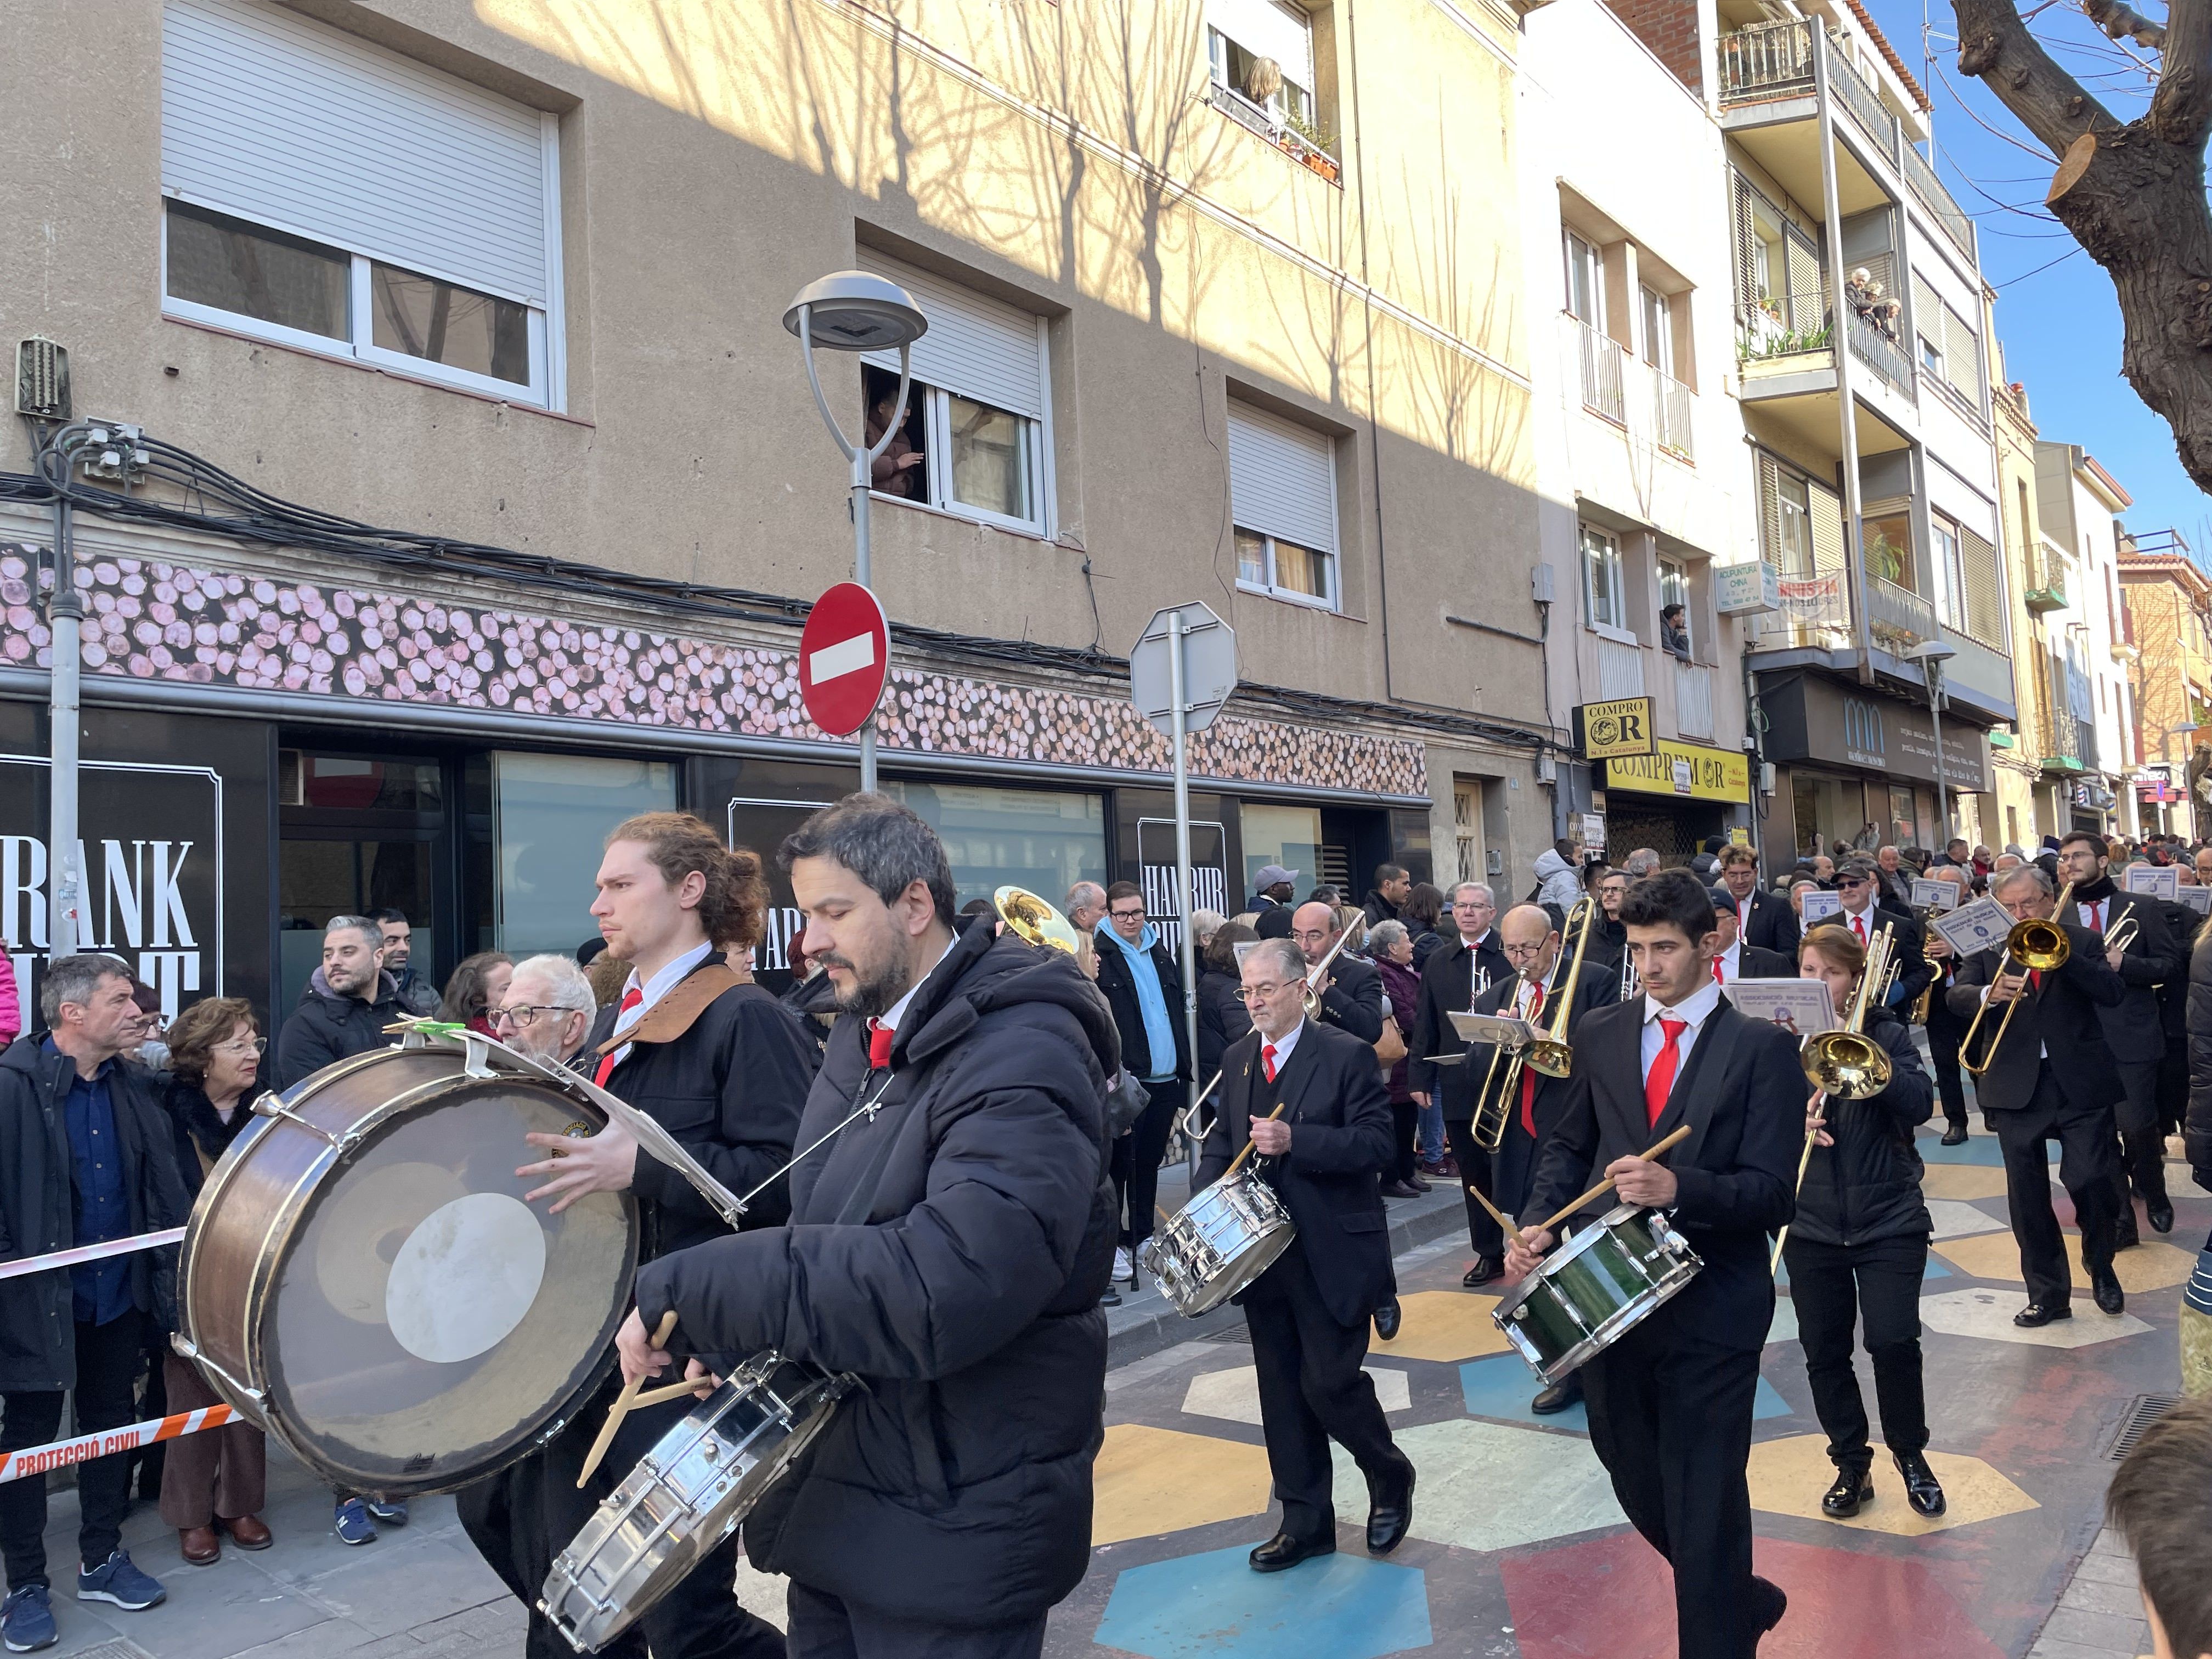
(1849, 1065)
(2122, 933)
(1035, 919)
(1312, 996)
(2040, 946)
(1547, 1053)
(1918, 1015)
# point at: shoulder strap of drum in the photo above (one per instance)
(674, 1014)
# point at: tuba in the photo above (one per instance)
(2037, 945)
(1035, 919)
(1849, 1065)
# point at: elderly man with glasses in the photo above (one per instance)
(548, 1010)
(1452, 979)
(1865, 917)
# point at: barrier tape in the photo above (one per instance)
(39, 1264)
(37, 1460)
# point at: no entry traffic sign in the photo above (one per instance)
(844, 660)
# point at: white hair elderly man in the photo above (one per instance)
(1641, 862)
(548, 1010)
(1085, 906)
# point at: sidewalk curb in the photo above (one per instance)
(1162, 1327)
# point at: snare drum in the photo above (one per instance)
(1219, 1243)
(1593, 1288)
(687, 1495)
(362, 1278)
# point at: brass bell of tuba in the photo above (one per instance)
(1035, 919)
(1849, 1065)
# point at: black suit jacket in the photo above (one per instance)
(1354, 1001)
(1743, 1094)
(1908, 948)
(2059, 1015)
(2132, 1026)
(1766, 921)
(1755, 963)
(1598, 988)
(1448, 987)
(1340, 1137)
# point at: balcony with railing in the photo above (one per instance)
(2043, 585)
(1921, 177)
(1777, 326)
(1766, 61)
(1897, 617)
(1873, 345)
(1693, 700)
(1601, 359)
(2064, 740)
(1672, 403)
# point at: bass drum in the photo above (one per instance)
(362, 1278)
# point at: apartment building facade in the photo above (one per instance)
(2092, 660)
(2167, 599)
(1224, 305)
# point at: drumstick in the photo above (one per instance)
(1237, 1162)
(1512, 1228)
(1606, 1185)
(671, 1391)
(621, 1408)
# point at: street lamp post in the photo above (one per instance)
(855, 310)
(2184, 730)
(1932, 655)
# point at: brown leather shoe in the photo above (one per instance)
(247, 1531)
(199, 1545)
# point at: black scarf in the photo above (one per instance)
(2091, 892)
(190, 1102)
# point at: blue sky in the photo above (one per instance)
(2060, 326)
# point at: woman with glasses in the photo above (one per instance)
(215, 1481)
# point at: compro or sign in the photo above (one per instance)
(1607, 731)
(1743, 590)
(150, 874)
(1690, 769)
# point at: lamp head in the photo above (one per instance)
(856, 311)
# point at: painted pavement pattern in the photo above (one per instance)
(1519, 1549)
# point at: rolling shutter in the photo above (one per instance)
(1809, 300)
(1962, 356)
(1774, 548)
(1282, 478)
(979, 348)
(1748, 285)
(1267, 29)
(1984, 589)
(1927, 312)
(1827, 515)
(274, 118)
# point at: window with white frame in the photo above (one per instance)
(1950, 572)
(1585, 282)
(1659, 330)
(1262, 51)
(1282, 498)
(1605, 587)
(326, 193)
(975, 436)
(1674, 607)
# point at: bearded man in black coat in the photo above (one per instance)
(947, 1248)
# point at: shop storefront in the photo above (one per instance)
(264, 754)
(1673, 799)
(1856, 768)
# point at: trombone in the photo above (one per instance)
(1546, 1052)
(2040, 946)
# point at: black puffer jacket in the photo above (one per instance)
(1867, 1185)
(950, 1251)
(326, 1028)
(1222, 1018)
(38, 1208)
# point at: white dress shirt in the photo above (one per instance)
(1477, 975)
(655, 988)
(1731, 961)
(1693, 1010)
(1282, 1046)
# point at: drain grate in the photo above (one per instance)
(1238, 1332)
(2147, 1410)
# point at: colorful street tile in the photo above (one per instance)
(1988, 1313)
(1962, 1181)
(1148, 1482)
(1934, 1269)
(1488, 1486)
(1789, 1476)
(2150, 1267)
(1614, 1598)
(1213, 1606)
(1502, 1385)
(1784, 1327)
(1956, 1218)
(1234, 1395)
(1444, 1325)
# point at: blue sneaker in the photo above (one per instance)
(27, 1619)
(388, 1514)
(354, 1526)
(118, 1581)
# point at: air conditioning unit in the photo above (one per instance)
(42, 379)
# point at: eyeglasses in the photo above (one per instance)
(253, 1045)
(523, 1012)
(1137, 915)
(1523, 952)
(1474, 904)
(1843, 881)
(1258, 992)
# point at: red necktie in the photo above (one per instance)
(631, 998)
(1720, 972)
(1529, 1072)
(1660, 1083)
(1858, 927)
(1267, 1060)
(880, 1038)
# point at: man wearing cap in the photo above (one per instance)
(1271, 897)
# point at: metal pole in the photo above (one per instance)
(1840, 347)
(1180, 696)
(64, 612)
(863, 466)
(1932, 672)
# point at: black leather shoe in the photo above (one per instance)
(1922, 1489)
(1390, 1511)
(2124, 1236)
(1486, 1269)
(1399, 1190)
(1283, 1551)
(2160, 1211)
(1777, 1603)
(1112, 1298)
(1416, 1183)
(2104, 1286)
(2035, 1314)
(1955, 1135)
(1853, 1488)
(1568, 1391)
(1388, 1318)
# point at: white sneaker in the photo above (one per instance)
(1121, 1267)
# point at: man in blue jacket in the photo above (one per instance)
(1144, 988)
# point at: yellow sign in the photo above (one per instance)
(1689, 769)
(1604, 730)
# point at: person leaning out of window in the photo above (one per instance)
(216, 1481)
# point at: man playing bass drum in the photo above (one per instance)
(1670, 1402)
(948, 1249)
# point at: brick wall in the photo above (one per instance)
(1670, 28)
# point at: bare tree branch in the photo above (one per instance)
(2181, 108)
(1995, 46)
